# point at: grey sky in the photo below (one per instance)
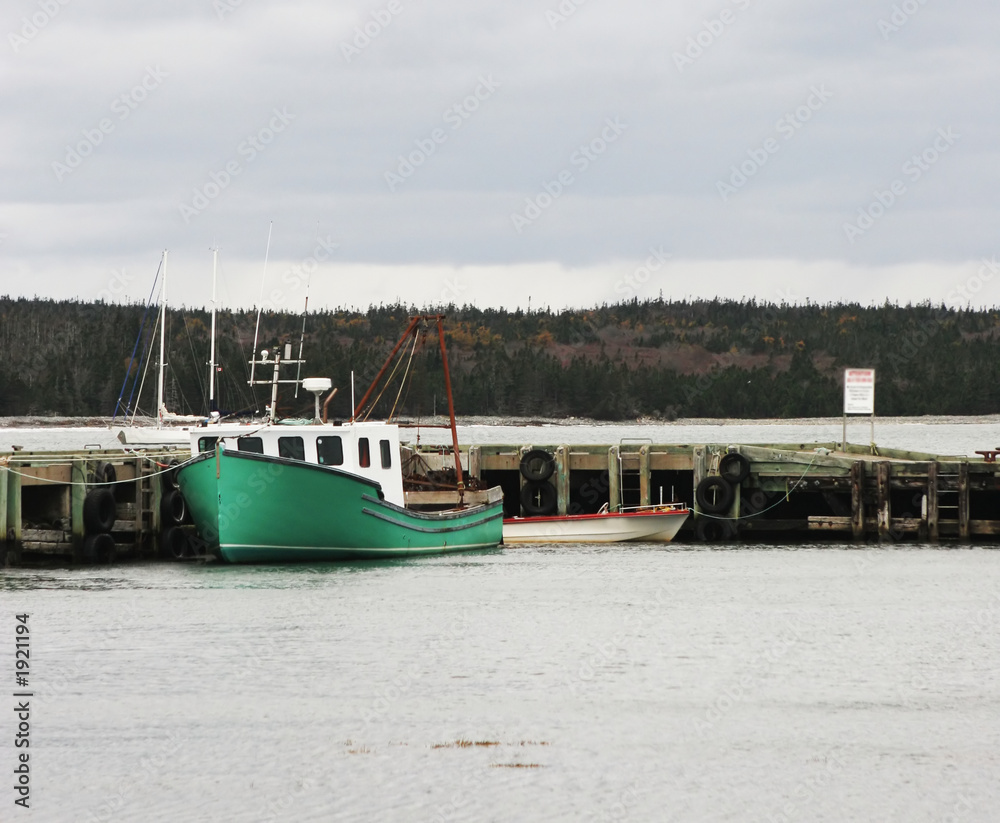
(575, 152)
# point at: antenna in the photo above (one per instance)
(260, 302)
(302, 342)
(211, 359)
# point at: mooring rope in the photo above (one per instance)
(784, 499)
(165, 467)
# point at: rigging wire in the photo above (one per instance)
(142, 326)
(403, 382)
(388, 382)
(194, 362)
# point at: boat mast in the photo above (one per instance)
(163, 335)
(451, 410)
(211, 364)
(302, 341)
(260, 306)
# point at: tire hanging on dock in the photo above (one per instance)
(712, 530)
(169, 476)
(538, 499)
(537, 465)
(173, 508)
(106, 476)
(99, 511)
(734, 467)
(175, 543)
(714, 494)
(99, 548)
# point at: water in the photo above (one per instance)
(636, 683)
(937, 435)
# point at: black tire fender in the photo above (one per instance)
(538, 499)
(714, 495)
(174, 542)
(99, 511)
(712, 530)
(170, 475)
(734, 467)
(173, 508)
(537, 465)
(106, 475)
(99, 548)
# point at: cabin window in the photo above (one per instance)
(386, 450)
(330, 451)
(255, 445)
(364, 454)
(291, 447)
(207, 444)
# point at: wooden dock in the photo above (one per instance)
(91, 507)
(96, 506)
(797, 491)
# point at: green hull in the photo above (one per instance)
(251, 508)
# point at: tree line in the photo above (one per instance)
(652, 358)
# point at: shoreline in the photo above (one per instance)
(92, 422)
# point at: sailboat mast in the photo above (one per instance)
(211, 364)
(163, 335)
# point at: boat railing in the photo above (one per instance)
(655, 507)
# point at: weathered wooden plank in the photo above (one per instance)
(562, 479)
(831, 523)
(984, 527)
(46, 475)
(501, 462)
(4, 474)
(13, 532)
(963, 501)
(476, 462)
(441, 498)
(46, 547)
(78, 491)
(884, 511)
(933, 512)
(614, 479)
(644, 476)
(46, 536)
(666, 462)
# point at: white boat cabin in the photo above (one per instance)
(370, 450)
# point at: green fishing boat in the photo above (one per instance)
(252, 507)
(276, 493)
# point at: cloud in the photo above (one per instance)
(223, 75)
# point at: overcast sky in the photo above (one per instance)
(571, 153)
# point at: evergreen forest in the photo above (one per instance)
(654, 359)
